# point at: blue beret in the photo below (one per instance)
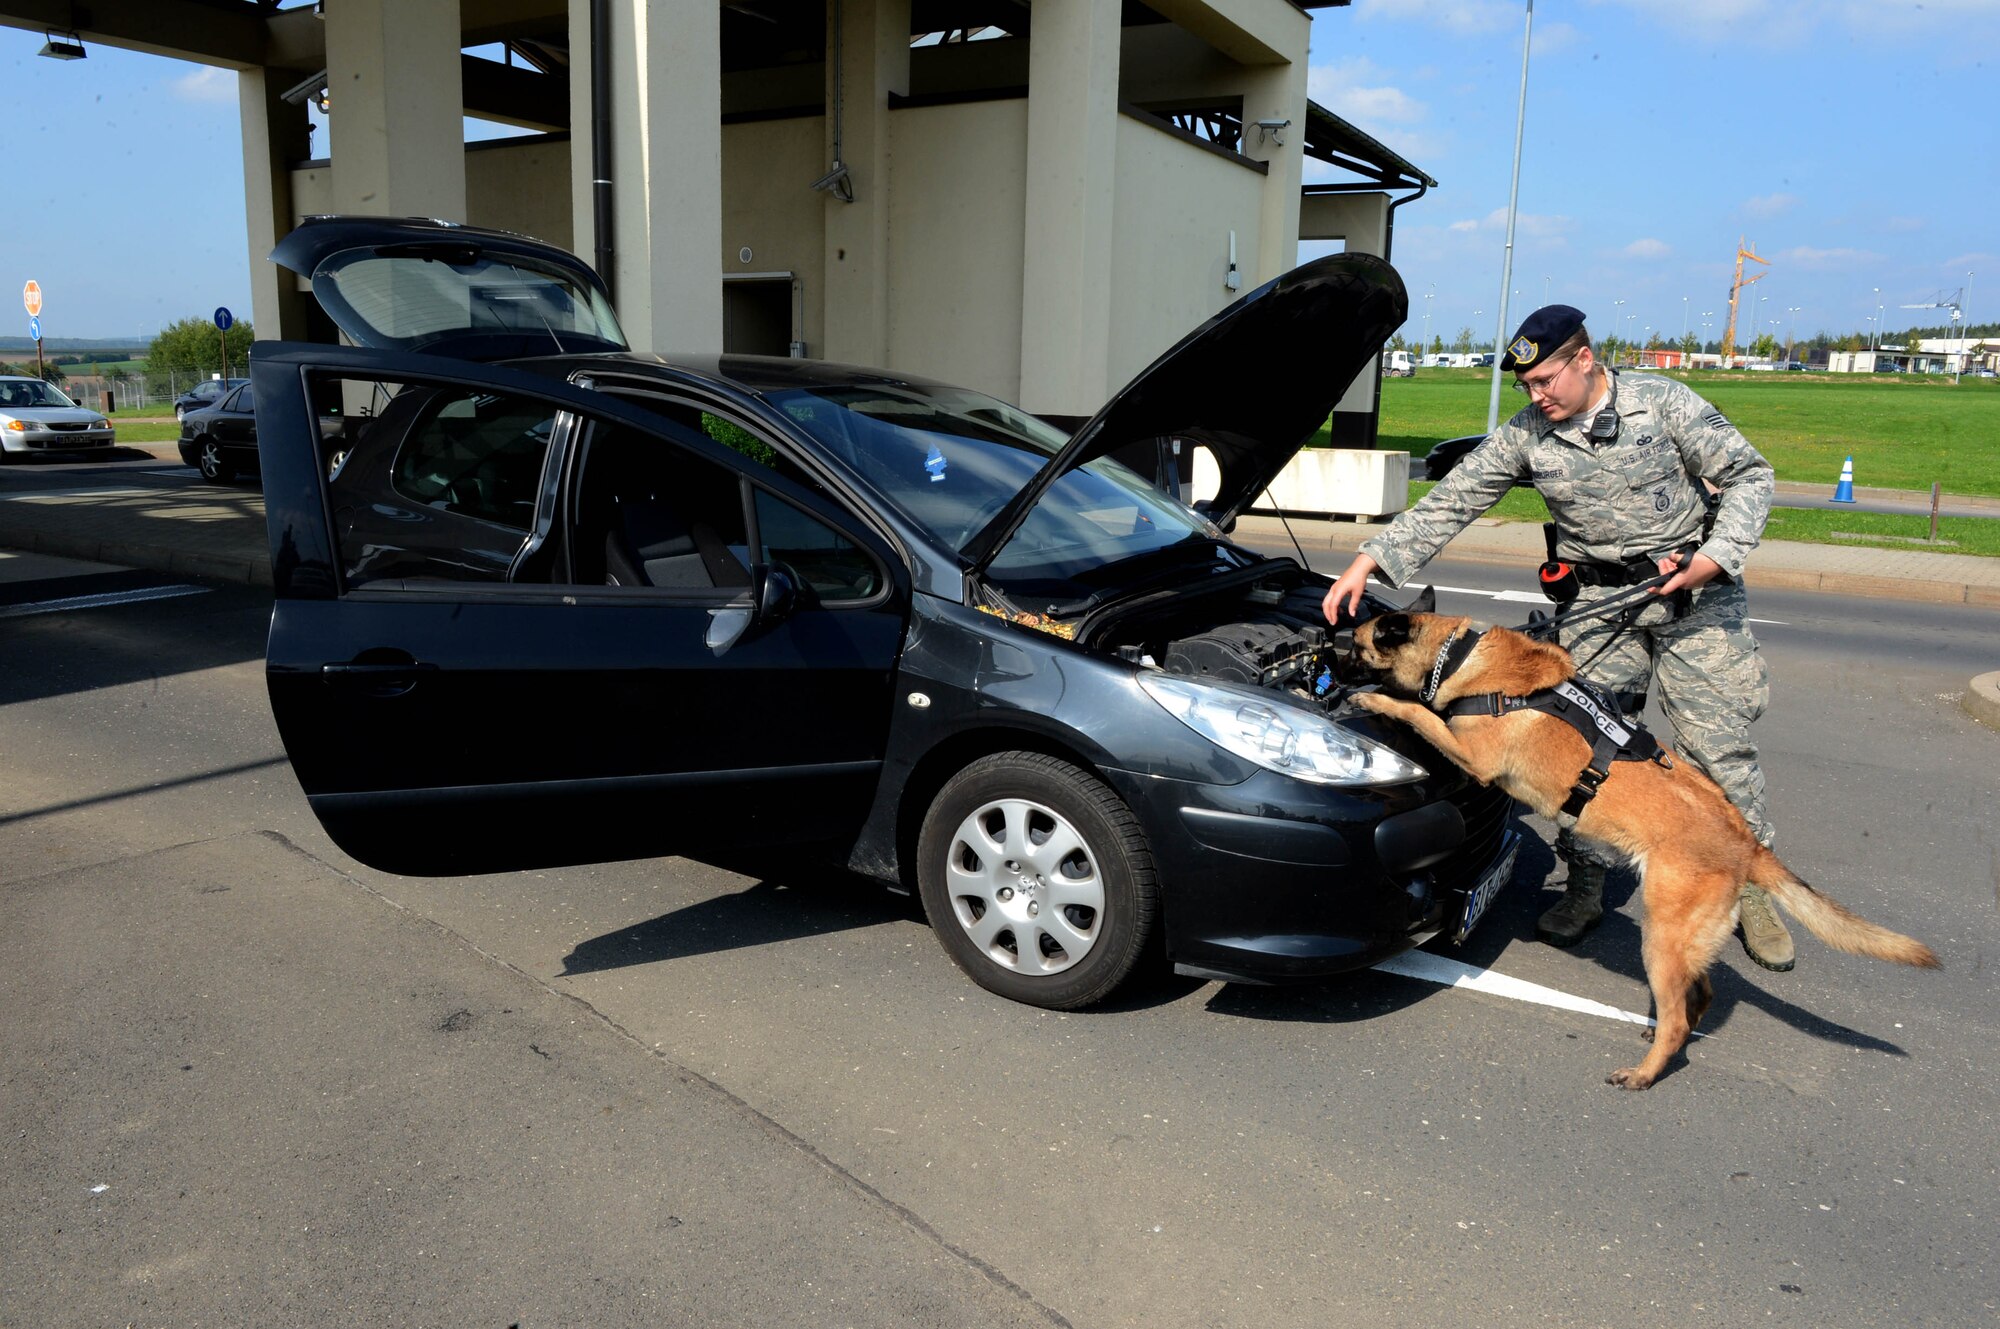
(1539, 335)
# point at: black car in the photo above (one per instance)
(588, 604)
(221, 440)
(204, 394)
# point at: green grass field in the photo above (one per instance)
(145, 431)
(1875, 530)
(1903, 431)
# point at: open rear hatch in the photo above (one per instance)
(417, 284)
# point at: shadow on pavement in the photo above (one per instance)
(1614, 945)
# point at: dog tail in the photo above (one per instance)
(1832, 922)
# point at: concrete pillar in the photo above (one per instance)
(274, 136)
(666, 174)
(1361, 221)
(398, 117)
(872, 39)
(1071, 183)
(1277, 92)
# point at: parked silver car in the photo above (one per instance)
(35, 417)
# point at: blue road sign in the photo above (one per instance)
(35, 328)
(223, 318)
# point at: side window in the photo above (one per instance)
(429, 482)
(834, 567)
(477, 454)
(649, 513)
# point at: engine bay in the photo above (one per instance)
(1271, 633)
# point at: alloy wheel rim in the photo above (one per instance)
(1025, 886)
(211, 459)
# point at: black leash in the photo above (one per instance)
(1543, 627)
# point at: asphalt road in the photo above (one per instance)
(251, 1081)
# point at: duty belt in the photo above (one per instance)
(1616, 574)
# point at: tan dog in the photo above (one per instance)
(1693, 849)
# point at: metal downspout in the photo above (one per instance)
(600, 135)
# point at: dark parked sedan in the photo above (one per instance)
(588, 604)
(221, 440)
(204, 395)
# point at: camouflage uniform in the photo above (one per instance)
(1638, 496)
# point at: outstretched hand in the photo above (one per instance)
(1346, 592)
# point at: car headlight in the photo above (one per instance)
(21, 426)
(1290, 740)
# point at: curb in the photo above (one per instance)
(1981, 699)
(151, 557)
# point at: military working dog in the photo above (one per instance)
(1693, 849)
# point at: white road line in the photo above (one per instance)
(1519, 597)
(1453, 974)
(1537, 598)
(88, 491)
(98, 601)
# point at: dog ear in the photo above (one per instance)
(1425, 603)
(1391, 631)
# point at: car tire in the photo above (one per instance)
(1037, 880)
(208, 459)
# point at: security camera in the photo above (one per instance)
(1270, 128)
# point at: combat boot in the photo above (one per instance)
(1764, 934)
(1578, 911)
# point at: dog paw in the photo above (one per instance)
(1374, 701)
(1629, 1078)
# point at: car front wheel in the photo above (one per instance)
(208, 457)
(1037, 880)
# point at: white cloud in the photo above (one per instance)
(1357, 91)
(1535, 225)
(1648, 248)
(1463, 226)
(206, 85)
(1766, 206)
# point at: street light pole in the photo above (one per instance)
(1878, 323)
(1964, 330)
(1513, 199)
(1684, 331)
(1792, 336)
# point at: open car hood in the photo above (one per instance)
(1252, 384)
(417, 284)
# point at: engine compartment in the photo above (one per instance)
(1271, 633)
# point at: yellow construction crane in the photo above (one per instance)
(1743, 251)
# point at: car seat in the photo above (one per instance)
(647, 543)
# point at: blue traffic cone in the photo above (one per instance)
(1844, 491)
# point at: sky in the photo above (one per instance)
(1849, 142)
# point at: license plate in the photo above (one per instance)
(1489, 886)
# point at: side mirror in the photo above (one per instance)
(772, 597)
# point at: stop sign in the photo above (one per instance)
(31, 296)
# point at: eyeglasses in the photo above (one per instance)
(1543, 385)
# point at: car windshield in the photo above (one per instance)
(31, 392)
(951, 459)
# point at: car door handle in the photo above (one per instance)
(377, 679)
